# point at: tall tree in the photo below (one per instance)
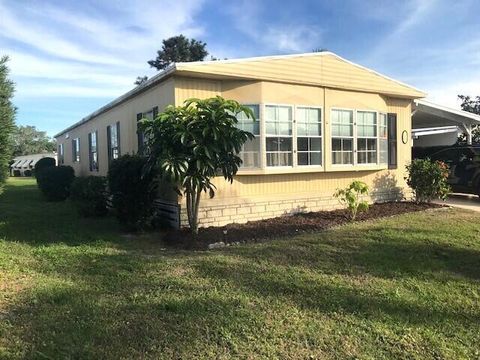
(28, 140)
(473, 106)
(7, 117)
(179, 49)
(192, 144)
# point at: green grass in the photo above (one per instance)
(406, 287)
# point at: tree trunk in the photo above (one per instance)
(195, 202)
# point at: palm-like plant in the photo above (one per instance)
(193, 143)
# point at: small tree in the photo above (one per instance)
(193, 143)
(7, 116)
(428, 179)
(350, 197)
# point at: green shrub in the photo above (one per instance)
(54, 182)
(132, 190)
(89, 195)
(44, 163)
(350, 197)
(428, 179)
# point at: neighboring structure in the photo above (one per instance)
(24, 165)
(322, 121)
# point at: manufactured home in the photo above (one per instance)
(321, 122)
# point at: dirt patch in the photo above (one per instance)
(261, 230)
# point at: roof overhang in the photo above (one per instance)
(430, 114)
(434, 131)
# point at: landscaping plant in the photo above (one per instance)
(428, 179)
(7, 115)
(351, 197)
(54, 182)
(192, 144)
(89, 195)
(132, 190)
(44, 163)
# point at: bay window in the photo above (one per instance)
(366, 137)
(250, 153)
(278, 135)
(342, 136)
(309, 136)
(383, 138)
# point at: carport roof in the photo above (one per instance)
(423, 107)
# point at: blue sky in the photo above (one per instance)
(70, 57)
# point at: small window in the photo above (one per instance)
(309, 136)
(61, 154)
(342, 137)
(278, 125)
(113, 140)
(76, 150)
(250, 153)
(93, 151)
(383, 138)
(141, 137)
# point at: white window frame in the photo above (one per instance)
(355, 131)
(321, 136)
(265, 135)
(353, 137)
(77, 158)
(259, 137)
(384, 138)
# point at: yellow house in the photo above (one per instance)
(321, 122)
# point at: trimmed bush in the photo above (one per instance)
(44, 163)
(428, 179)
(27, 173)
(54, 182)
(133, 191)
(89, 195)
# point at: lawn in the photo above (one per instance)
(405, 287)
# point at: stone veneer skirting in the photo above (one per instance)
(219, 215)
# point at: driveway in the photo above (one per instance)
(464, 201)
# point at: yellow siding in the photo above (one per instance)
(126, 113)
(249, 189)
(202, 89)
(323, 69)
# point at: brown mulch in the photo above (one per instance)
(262, 230)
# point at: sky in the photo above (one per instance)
(69, 57)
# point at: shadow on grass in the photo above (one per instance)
(26, 217)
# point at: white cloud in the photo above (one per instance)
(284, 37)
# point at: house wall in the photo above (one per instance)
(260, 193)
(271, 192)
(126, 113)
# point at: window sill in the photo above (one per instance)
(313, 169)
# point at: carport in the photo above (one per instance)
(434, 125)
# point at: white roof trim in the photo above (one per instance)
(434, 131)
(464, 114)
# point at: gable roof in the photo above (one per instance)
(320, 69)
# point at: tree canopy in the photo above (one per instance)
(28, 140)
(473, 106)
(193, 143)
(179, 49)
(7, 118)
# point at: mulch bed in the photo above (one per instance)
(262, 230)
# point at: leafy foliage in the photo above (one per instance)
(54, 182)
(179, 49)
(7, 116)
(89, 195)
(140, 80)
(28, 140)
(351, 197)
(193, 143)
(132, 190)
(44, 163)
(473, 106)
(428, 179)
